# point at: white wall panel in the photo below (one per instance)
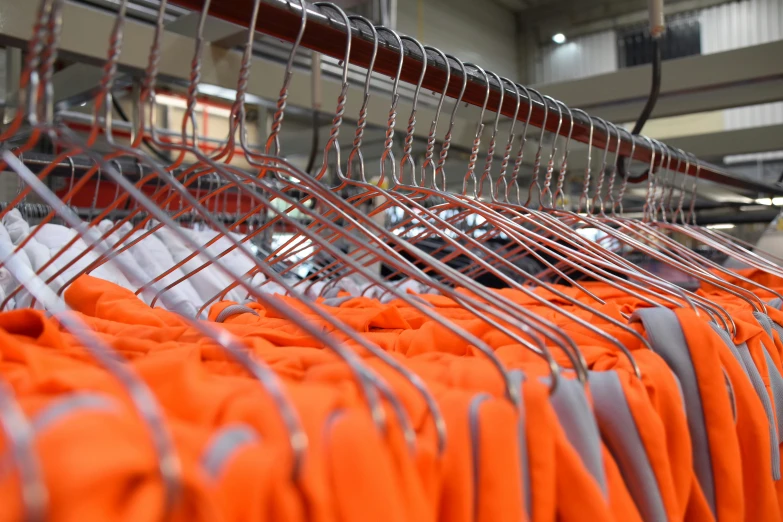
(480, 32)
(584, 56)
(741, 24)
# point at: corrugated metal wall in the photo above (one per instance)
(741, 24)
(480, 32)
(584, 56)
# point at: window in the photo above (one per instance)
(682, 38)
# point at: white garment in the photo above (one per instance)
(57, 237)
(154, 258)
(210, 281)
(274, 288)
(7, 281)
(314, 290)
(345, 284)
(38, 255)
(127, 264)
(236, 260)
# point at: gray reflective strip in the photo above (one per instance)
(778, 329)
(223, 445)
(764, 321)
(60, 408)
(473, 423)
(517, 376)
(732, 398)
(332, 291)
(576, 417)
(337, 301)
(67, 405)
(665, 334)
(742, 354)
(775, 379)
(761, 392)
(234, 309)
(727, 340)
(776, 303)
(776, 383)
(621, 435)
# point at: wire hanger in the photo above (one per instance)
(619, 264)
(298, 439)
(408, 201)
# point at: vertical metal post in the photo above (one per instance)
(13, 72)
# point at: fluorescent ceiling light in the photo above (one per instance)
(721, 226)
(559, 38)
(778, 202)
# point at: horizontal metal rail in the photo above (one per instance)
(325, 33)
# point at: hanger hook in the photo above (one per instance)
(277, 119)
(388, 153)
(407, 156)
(602, 196)
(585, 195)
(103, 100)
(660, 180)
(334, 131)
(30, 81)
(602, 173)
(361, 123)
(509, 143)
(537, 162)
(626, 175)
(694, 189)
(559, 192)
(444, 148)
(49, 59)
(238, 112)
(679, 213)
(522, 142)
(648, 197)
(667, 204)
(550, 167)
(474, 150)
(430, 152)
(486, 173)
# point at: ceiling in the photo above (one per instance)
(585, 16)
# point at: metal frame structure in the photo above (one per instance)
(326, 34)
(738, 77)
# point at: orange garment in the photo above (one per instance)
(355, 471)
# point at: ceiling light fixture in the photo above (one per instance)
(721, 226)
(770, 201)
(559, 38)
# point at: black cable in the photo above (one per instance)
(652, 99)
(160, 155)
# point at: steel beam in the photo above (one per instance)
(86, 33)
(85, 37)
(746, 76)
(715, 145)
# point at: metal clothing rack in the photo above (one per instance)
(325, 33)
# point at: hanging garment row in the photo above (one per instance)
(419, 395)
(59, 256)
